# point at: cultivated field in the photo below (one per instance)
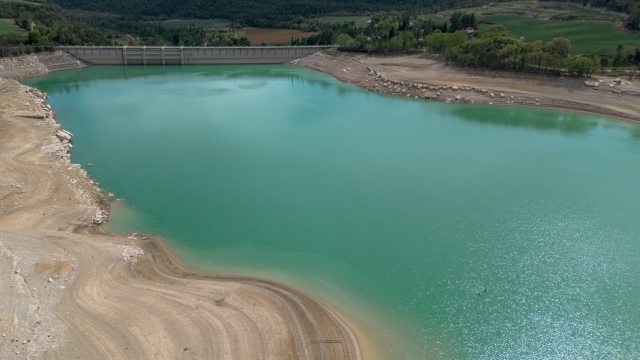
(434, 17)
(587, 37)
(274, 36)
(8, 26)
(360, 20)
(578, 10)
(197, 23)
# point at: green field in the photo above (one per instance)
(8, 26)
(523, 2)
(578, 10)
(434, 17)
(214, 23)
(470, 9)
(360, 20)
(537, 11)
(587, 37)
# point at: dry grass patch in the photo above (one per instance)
(275, 36)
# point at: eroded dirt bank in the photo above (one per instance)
(69, 291)
(423, 76)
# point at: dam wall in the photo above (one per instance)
(187, 55)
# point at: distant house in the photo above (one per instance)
(470, 30)
(368, 38)
(411, 22)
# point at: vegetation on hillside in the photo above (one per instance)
(54, 26)
(498, 49)
(260, 13)
(587, 37)
(495, 48)
(46, 26)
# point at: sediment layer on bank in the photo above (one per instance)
(24, 66)
(69, 290)
(423, 76)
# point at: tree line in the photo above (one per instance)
(498, 49)
(260, 13)
(48, 26)
(494, 48)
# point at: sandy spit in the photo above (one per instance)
(68, 290)
(428, 77)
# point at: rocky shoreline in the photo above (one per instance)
(57, 145)
(418, 81)
(24, 66)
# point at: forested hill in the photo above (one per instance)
(260, 13)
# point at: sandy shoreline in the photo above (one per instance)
(69, 290)
(423, 76)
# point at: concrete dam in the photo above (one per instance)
(186, 55)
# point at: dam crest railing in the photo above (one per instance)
(190, 55)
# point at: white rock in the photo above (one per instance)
(63, 135)
(592, 83)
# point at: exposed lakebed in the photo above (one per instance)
(398, 212)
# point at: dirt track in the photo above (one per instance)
(68, 291)
(427, 77)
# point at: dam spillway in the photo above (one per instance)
(187, 55)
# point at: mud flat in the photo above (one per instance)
(69, 290)
(423, 76)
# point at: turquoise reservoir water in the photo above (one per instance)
(397, 212)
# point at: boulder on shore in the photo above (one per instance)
(64, 135)
(592, 83)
